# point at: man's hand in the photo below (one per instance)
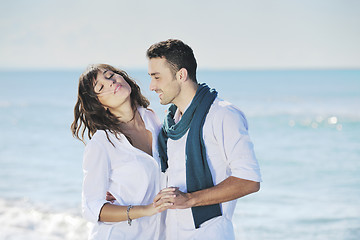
(228, 190)
(109, 197)
(173, 195)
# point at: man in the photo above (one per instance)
(205, 150)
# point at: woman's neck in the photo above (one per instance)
(132, 120)
(129, 118)
(125, 113)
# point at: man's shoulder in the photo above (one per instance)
(222, 111)
(221, 106)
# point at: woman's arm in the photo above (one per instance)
(96, 173)
(116, 213)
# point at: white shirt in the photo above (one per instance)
(129, 174)
(229, 153)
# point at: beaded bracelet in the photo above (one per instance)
(127, 213)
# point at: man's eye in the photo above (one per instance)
(102, 86)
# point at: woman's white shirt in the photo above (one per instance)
(132, 176)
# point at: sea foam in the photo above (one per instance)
(22, 220)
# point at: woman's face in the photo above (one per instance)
(112, 89)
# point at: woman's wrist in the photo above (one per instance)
(150, 210)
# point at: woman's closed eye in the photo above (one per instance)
(108, 74)
(111, 77)
(98, 87)
(101, 88)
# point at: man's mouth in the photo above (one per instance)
(160, 94)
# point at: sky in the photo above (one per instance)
(233, 34)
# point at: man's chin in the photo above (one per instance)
(163, 102)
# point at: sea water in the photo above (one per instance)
(305, 126)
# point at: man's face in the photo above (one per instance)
(163, 81)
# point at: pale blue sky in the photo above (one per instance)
(254, 34)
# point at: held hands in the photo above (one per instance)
(172, 198)
(151, 209)
(168, 198)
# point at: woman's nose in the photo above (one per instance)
(112, 82)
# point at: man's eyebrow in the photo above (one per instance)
(152, 74)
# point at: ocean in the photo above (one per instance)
(305, 125)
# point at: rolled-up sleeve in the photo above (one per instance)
(95, 181)
(237, 145)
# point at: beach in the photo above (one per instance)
(305, 126)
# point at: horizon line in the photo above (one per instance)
(49, 69)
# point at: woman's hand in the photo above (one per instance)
(153, 208)
(173, 196)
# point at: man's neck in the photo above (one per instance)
(186, 98)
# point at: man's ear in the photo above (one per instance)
(182, 75)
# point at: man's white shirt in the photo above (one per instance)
(230, 152)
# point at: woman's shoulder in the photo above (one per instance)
(98, 135)
(97, 138)
(145, 111)
(148, 114)
(101, 137)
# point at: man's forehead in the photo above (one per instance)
(156, 66)
(157, 61)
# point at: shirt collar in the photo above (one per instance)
(177, 116)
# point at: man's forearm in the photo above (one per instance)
(229, 189)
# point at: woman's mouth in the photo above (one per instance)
(117, 88)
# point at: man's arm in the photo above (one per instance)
(229, 189)
(229, 126)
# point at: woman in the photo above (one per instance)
(119, 156)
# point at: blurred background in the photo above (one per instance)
(293, 67)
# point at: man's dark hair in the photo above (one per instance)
(177, 54)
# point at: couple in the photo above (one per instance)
(202, 157)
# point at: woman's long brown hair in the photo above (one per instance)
(90, 115)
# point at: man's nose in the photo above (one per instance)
(152, 85)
